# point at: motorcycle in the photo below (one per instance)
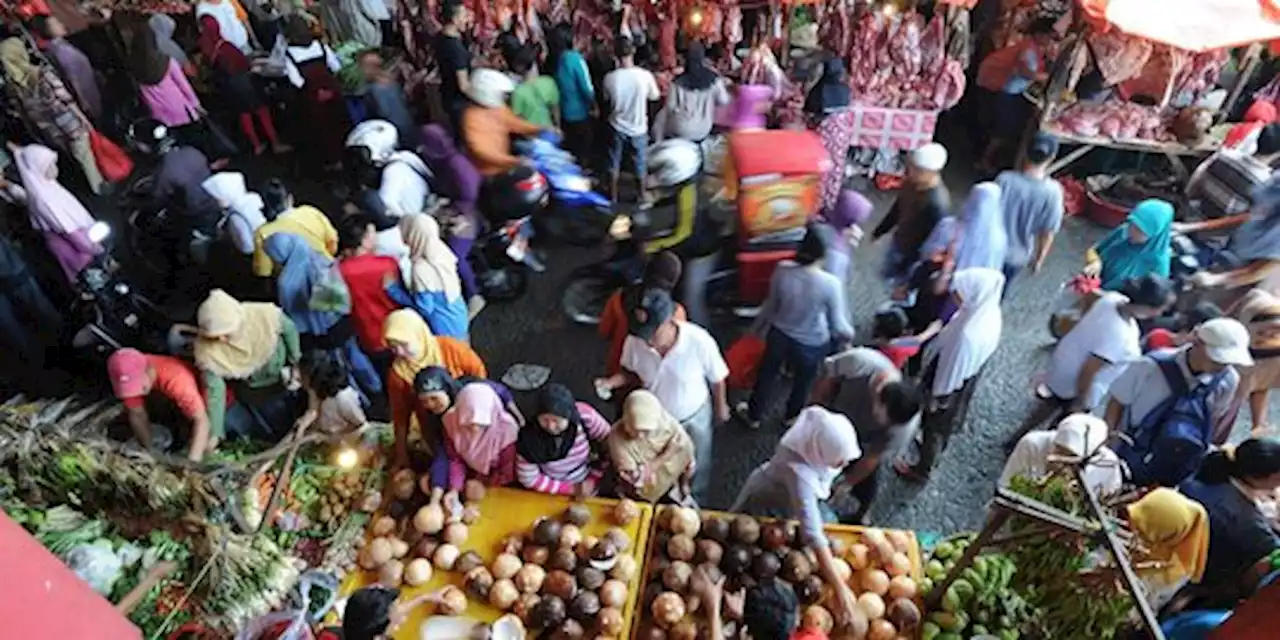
(112, 315)
(497, 258)
(575, 213)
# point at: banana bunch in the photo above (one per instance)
(981, 602)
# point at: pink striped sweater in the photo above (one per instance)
(564, 475)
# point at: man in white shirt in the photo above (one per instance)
(1218, 344)
(630, 89)
(1096, 351)
(681, 364)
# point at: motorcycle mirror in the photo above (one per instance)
(99, 231)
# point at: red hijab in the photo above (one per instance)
(217, 50)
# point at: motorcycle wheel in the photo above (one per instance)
(584, 298)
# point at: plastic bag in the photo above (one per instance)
(330, 292)
(743, 358)
(1077, 296)
(113, 163)
(96, 564)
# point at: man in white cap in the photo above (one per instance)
(921, 203)
(1216, 348)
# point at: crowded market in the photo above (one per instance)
(666, 319)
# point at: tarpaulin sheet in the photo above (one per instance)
(1194, 25)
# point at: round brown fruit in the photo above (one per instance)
(745, 530)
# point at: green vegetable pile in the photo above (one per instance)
(981, 602)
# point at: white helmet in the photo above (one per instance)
(490, 88)
(378, 136)
(673, 162)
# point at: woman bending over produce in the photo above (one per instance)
(1175, 532)
(652, 455)
(1134, 249)
(797, 481)
(555, 451)
(437, 391)
(415, 348)
(480, 438)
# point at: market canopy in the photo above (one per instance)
(1193, 25)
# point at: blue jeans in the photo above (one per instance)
(803, 360)
(638, 146)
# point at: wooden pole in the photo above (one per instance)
(1251, 60)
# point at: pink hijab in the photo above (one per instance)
(495, 429)
(52, 207)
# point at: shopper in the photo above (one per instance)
(162, 82)
(890, 336)
(1136, 248)
(692, 100)
(1097, 349)
(536, 98)
(954, 362)
(555, 449)
(629, 89)
(867, 388)
(831, 94)
(244, 208)
(54, 212)
(283, 216)
(455, 178)
(311, 65)
(384, 99)
(1254, 244)
(48, 108)
(1175, 532)
(1033, 207)
(977, 239)
(234, 80)
(651, 455)
(1229, 486)
(1217, 347)
(366, 274)
(577, 94)
(662, 272)
(29, 322)
(164, 26)
(796, 482)
(803, 319)
(1260, 313)
(845, 219)
(681, 364)
(434, 289)
(415, 348)
(372, 614)
(232, 21)
(253, 346)
(1079, 437)
(79, 73)
(454, 60)
(153, 385)
(480, 438)
(921, 204)
(333, 405)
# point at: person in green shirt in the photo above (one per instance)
(536, 98)
(254, 346)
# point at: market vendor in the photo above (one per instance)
(1254, 245)
(1079, 436)
(651, 455)
(555, 450)
(921, 204)
(1229, 485)
(415, 348)
(256, 347)
(480, 438)
(1134, 249)
(796, 483)
(1175, 533)
(134, 378)
(831, 94)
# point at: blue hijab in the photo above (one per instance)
(300, 268)
(1122, 260)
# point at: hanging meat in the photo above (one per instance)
(960, 39)
(732, 27)
(933, 43)
(667, 33)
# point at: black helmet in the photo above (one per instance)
(151, 136)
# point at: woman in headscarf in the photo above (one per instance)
(832, 93)
(414, 349)
(232, 21)
(555, 451)
(1080, 436)
(49, 108)
(1174, 531)
(1243, 137)
(253, 345)
(232, 77)
(691, 105)
(244, 206)
(662, 272)
(164, 27)
(436, 392)
(652, 455)
(310, 66)
(480, 438)
(54, 211)
(434, 289)
(844, 219)
(1260, 313)
(976, 238)
(1136, 248)
(954, 361)
(455, 178)
(161, 81)
(796, 482)
(73, 63)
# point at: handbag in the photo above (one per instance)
(743, 358)
(113, 163)
(330, 293)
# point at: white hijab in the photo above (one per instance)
(229, 24)
(1080, 434)
(967, 341)
(825, 442)
(228, 188)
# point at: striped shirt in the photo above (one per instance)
(563, 475)
(1226, 182)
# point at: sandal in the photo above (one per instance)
(909, 472)
(742, 413)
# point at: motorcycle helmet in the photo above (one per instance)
(378, 137)
(674, 162)
(490, 88)
(151, 136)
